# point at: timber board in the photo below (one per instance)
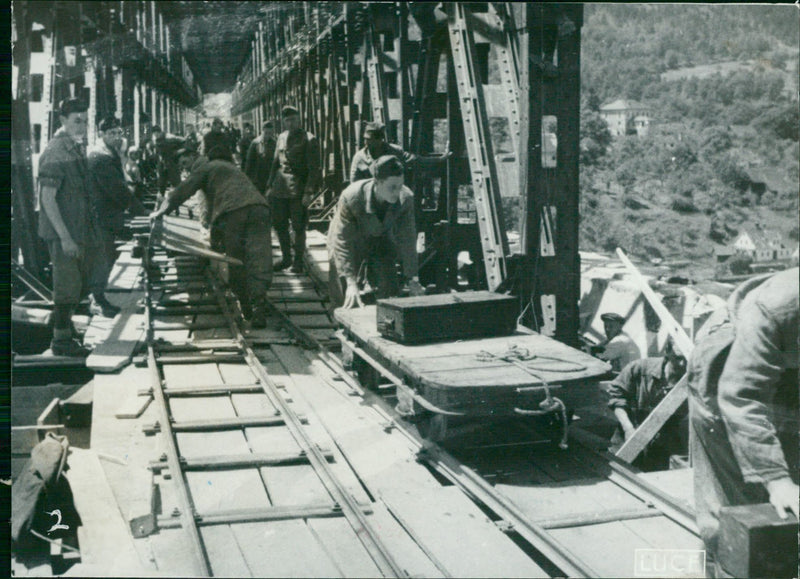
(678, 483)
(271, 439)
(224, 554)
(283, 549)
(115, 340)
(186, 375)
(562, 499)
(450, 527)
(294, 485)
(203, 444)
(343, 547)
(104, 539)
(227, 490)
(609, 548)
(203, 408)
(253, 405)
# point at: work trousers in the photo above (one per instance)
(378, 266)
(102, 262)
(245, 235)
(285, 210)
(71, 275)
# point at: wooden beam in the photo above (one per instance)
(673, 400)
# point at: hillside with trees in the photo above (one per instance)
(722, 151)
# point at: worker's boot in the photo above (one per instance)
(283, 263)
(258, 320)
(63, 344)
(100, 306)
(298, 266)
(285, 242)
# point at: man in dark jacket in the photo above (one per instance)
(111, 197)
(294, 179)
(243, 144)
(239, 218)
(65, 221)
(260, 156)
(743, 403)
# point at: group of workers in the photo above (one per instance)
(742, 424)
(742, 376)
(276, 177)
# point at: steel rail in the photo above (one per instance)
(479, 490)
(350, 508)
(187, 514)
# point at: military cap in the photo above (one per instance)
(69, 106)
(288, 111)
(375, 129)
(612, 317)
(108, 123)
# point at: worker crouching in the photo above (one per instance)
(239, 223)
(372, 230)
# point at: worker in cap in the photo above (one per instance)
(635, 392)
(618, 349)
(294, 181)
(66, 223)
(375, 146)
(111, 198)
(239, 223)
(373, 230)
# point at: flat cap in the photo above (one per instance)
(612, 317)
(69, 106)
(288, 111)
(108, 123)
(375, 129)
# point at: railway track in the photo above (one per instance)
(518, 478)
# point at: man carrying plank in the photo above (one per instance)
(239, 222)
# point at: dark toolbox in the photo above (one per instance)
(453, 316)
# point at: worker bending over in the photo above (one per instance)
(743, 403)
(636, 391)
(372, 229)
(239, 223)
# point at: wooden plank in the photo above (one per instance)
(252, 405)
(283, 549)
(224, 554)
(294, 485)
(266, 439)
(673, 400)
(121, 340)
(24, 438)
(651, 425)
(133, 406)
(610, 548)
(105, 538)
(568, 498)
(449, 526)
(205, 408)
(226, 490)
(401, 546)
(196, 445)
(678, 483)
(343, 547)
(191, 376)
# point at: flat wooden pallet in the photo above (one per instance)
(470, 376)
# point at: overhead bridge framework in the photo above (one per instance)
(496, 84)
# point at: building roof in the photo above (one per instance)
(764, 239)
(623, 105)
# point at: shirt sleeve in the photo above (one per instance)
(407, 239)
(52, 166)
(747, 387)
(622, 389)
(343, 241)
(187, 188)
(354, 166)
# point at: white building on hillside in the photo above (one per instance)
(623, 116)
